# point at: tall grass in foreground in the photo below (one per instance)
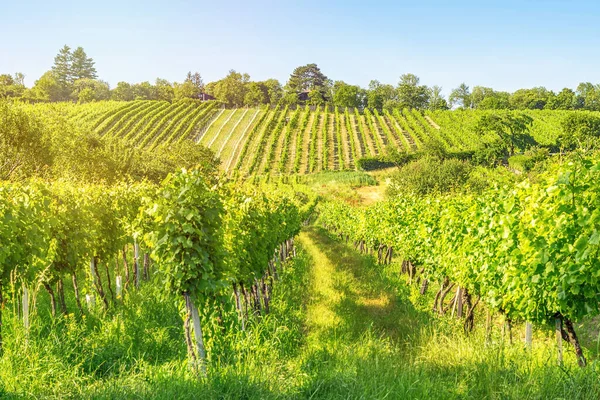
(341, 327)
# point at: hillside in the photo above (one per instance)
(283, 140)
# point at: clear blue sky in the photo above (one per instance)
(503, 44)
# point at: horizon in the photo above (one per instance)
(526, 47)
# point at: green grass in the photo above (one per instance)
(341, 327)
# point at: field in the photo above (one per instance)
(280, 141)
(134, 268)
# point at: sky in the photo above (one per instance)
(506, 45)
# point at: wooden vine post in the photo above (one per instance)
(193, 310)
(136, 264)
(528, 334)
(26, 308)
(558, 334)
(119, 286)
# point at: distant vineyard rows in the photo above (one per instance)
(282, 140)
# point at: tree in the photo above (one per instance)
(256, 94)
(378, 94)
(564, 100)
(345, 95)
(143, 91)
(19, 79)
(495, 101)
(291, 99)
(580, 129)
(411, 94)
(70, 66)
(529, 99)
(316, 98)
(488, 99)
(164, 90)
(11, 86)
(196, 80)
(512, 129)
(461, 96)
(123, 92)
(231, 90)
(47, 88)
(274, 91)
(436, 100)
(307, 78)
(479, 94)
(81, 66)
(588, 96)
(24, 143)
(62, 66)
(86, 90)
(6, 80)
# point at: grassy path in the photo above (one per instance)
(356, 325)
(349, 297)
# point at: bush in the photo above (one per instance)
(490, 153)
(580, 129)
(430, 175)
(373, 163)
(526, 162)
(521, 162)
(434, 148)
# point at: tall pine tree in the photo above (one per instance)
(82, 66)
(62, 66)
(70, 66)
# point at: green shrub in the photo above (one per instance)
(526, 162)
(490, 153)
(580, 129)
(430, 175)
(373, 163)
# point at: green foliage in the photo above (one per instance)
(528, 251)
(333, 178)
(86, 90)
(512, 129)
(50, 145)
(11, 86)
(411, 94)
(162, 160)
(532, 99)
(436, 100)
(187, 236)
(47, 88)
(434, 148)
(580, 129)
(345, 95)
(308, 78)
(490, 153)
(373, 163)
(379, 94)
(526, 162)
(461, 96)
(230, 90)
(24, 144)
(430, 175)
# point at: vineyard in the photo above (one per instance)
(258, 141)
(132, 267)
(529, 253)
(205, 243)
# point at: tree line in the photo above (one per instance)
(73, 77)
